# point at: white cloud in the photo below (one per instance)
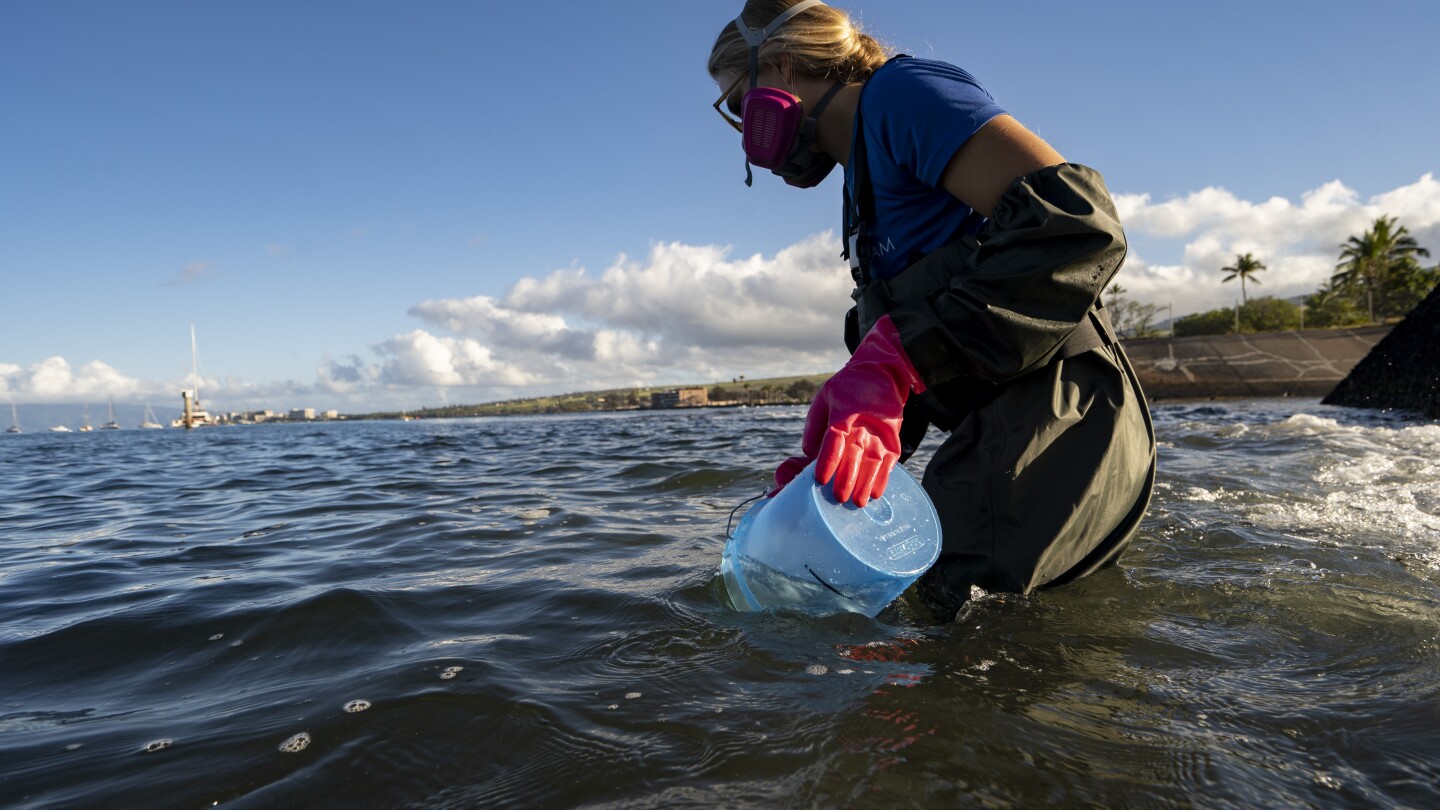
(190, 273)
(55, 380)
(1299, 243)
(685, 313)
(690, 297)
(422, 359)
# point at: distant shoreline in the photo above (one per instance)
(1308, 363)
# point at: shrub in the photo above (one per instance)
(1214, 322)
(1328, 309)
(1269, 314)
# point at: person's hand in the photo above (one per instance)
(786, 472)
(852, 431)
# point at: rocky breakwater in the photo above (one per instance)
(1403, 370)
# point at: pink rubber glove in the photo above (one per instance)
(853, 427)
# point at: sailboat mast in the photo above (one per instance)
(194, 368)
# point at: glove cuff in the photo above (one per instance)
(882, 346)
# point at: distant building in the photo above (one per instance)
(302, 414)
(680, 398)
(332, 414)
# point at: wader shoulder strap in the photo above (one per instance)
(859, 207)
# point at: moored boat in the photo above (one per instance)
(193, 415)
(112, 424)
(150, 422)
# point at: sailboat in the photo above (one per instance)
(150, 422)
(85, 420)
(193, 415)
(112, 424)
(14, 420)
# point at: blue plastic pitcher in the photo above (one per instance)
(802, 549)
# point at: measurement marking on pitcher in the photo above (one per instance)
(904, 548)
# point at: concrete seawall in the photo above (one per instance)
(1308, 363)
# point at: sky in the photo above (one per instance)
(379, 205)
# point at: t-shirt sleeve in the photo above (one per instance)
(920, 112)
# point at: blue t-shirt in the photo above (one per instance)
(916, 114)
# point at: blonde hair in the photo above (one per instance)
(821, 41)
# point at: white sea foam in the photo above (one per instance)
(1373, 484)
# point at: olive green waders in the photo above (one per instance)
(1050, 460)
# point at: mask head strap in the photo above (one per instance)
(755, 37)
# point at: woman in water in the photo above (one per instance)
(979, 256)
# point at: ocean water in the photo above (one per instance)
(526, 612)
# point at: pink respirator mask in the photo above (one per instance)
(775, 132)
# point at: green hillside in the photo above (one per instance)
(740, 391)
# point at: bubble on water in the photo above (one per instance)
(74, 746)
(236, 643)
(217, 636)
(450, 672)
(296, 744)
(613, 706)
(158, 745)
(984, 666)
(631, 695)
(357, 706)
(817, 669)
(845, 672)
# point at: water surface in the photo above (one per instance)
(526, 612)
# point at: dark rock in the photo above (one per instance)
(1403, 370)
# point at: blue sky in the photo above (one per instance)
(370, 205)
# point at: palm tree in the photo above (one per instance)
(1369, 258)
(1245, 266)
